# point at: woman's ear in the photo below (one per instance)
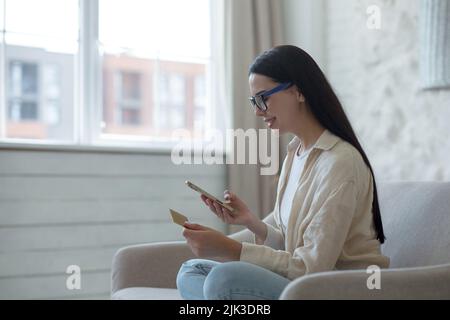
(300, 97)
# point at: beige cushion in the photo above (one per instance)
(416, 220)
(138, 293)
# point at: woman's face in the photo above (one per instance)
(283, 111)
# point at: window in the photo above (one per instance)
(39, 48)
(128, 92)
(154, 56)
(172, 89)
(126, 70)
(23, 99)
(25, 93)
(52, 93)
(199, 103)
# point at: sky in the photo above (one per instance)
(148, 27)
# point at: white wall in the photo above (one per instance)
(376, 74)
(304, 27)
(59, 208)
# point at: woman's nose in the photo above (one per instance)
(259, 113)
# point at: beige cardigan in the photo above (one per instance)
(331, 224)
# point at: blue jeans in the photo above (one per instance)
(200, 279)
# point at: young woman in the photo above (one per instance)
(326, 215)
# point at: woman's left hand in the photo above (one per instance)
(209, 243)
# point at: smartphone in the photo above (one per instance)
(209, 196)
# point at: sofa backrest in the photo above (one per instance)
(416, 221)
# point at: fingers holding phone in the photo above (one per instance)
(214, 207)
(241, 215)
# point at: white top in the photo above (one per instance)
(293, 181)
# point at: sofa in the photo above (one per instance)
(416, 218)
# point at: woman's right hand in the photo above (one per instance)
(241, 215)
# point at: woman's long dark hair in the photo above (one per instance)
(291, 64)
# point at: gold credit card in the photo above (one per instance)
(177, 217)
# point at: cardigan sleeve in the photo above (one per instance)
(274, 238)
(323, 239)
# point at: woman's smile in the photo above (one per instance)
(270, 121)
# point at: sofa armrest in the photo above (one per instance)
(149, 265)
(156, 265)
(405, 283)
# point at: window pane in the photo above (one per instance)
(41, 40)
(24, 97)
(149, 26)
(130, 116)
(29, 110)
(199, 103)
(2, 15)
(151, 61)
(52, 93)
(131, 86)
(128, 92)
(172, 90)
(53, 23)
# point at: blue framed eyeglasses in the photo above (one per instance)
(259, 100)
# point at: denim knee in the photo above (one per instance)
(223, 279)
(191, 276)
(186, 269)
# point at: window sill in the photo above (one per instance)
(98, 148)
(61, 147)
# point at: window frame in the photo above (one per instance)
(88, 96)
(3, 109)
